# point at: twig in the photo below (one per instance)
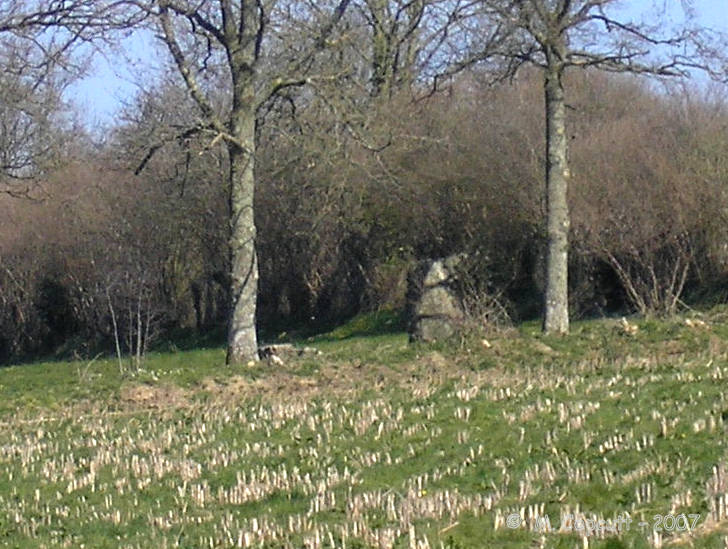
(81, 376)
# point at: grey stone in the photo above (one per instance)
(439, 302)
(434, 329)
(437, 274)
(434, 308)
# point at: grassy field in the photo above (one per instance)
(378, 443)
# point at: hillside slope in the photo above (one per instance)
(377, 443)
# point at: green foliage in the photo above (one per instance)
(368, 324)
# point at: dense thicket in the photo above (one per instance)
(344, 206)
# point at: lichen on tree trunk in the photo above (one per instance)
(242, 338)
(556, 311)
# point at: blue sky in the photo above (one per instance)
(114, 77)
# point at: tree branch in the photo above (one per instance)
(191, 82)
(193, 15)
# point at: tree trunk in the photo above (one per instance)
(556, 314)
(242, 338)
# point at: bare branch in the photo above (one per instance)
(610, 24)
(195, 91)
(194, 16)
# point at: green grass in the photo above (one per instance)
(375, 443)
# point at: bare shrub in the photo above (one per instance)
(654, 276)
(636, 207)
(485, 306)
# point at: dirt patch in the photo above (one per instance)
(672, 347)
(275, 385)
(334, 379)
(154, 396)
(331, 379)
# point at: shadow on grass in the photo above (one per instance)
(376, 323)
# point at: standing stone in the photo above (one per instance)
(434, 308)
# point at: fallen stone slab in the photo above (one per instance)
(279, 353)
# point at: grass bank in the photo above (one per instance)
(379, 443)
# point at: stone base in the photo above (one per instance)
(430, 330)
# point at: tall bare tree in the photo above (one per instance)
(556, 35)
(256, 49)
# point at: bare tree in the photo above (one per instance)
(395, 28)
(39, 56)
(256, 50)
(556, 35)
(30, 116)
